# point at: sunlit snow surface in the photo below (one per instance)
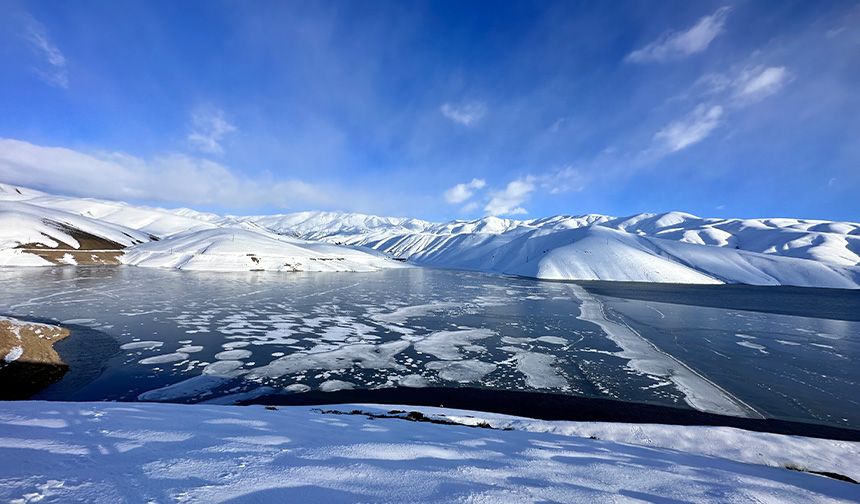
(145, 452)
(194, 336)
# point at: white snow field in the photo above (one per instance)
(140, 452)
(672, 247)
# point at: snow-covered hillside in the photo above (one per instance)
(38, 229)
(672, 247)
(236, 249)
(110, 452)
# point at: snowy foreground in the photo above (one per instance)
(141, 452)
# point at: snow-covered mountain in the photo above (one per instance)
(669, 247)
(672, 247)
(38, 229)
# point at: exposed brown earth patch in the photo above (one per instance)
(28, 361)
(92, 250)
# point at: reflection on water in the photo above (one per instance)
(191, 336)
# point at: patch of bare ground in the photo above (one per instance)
(92, 250)
(28, 361)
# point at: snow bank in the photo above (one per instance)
(108, 452)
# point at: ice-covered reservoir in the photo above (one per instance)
(188, 336)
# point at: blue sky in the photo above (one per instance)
(438, 110)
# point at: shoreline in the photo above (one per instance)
(29, 363)
(549, 406)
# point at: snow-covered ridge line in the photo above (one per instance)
(672, 247)
(37, 229)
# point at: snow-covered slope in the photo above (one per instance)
(24, 228)
(154, 221)
(31, 220)
(110, 452)
(236, 249)
(672, 247)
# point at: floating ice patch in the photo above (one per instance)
(790, 343)
(297, 388)
(462, 371)
(233, 355)
(164, 358)
(190, 349)
(754, 346)
(335, 385)
(413, 380)
(193, 387)
(142, 345)
(401, 315)
(447, 345)
(538, 369)
(367, 356)
(224, 369)
(553, 340)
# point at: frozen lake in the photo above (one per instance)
(145, 334)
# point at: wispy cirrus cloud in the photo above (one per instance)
(758, 83)
(52, 66)
(462, 192)
(691, 129)
(208, 128)
(675, 45)
(466, 113)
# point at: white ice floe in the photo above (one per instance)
(462, 371)
(164, 358)
(364, 355)
(449, 345)
(335, 385)
(107, 452)
(142, 345)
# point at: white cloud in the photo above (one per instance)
(677, 45)
(172, 178)
(461, 192)
(467, 114)
(509, 200)
(208, 129)
(692, 129)
(53, 68)
(759, 83)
